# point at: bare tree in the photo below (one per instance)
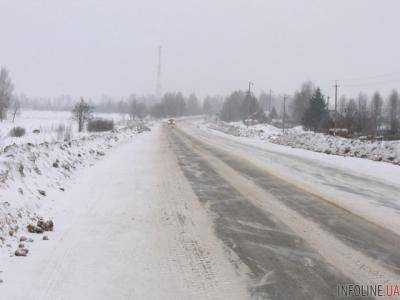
(132, 107)
(15, 108)
(342, 105)
(301, 100)
(350, 115)
(174, 104)
(393, 110)
(212, 105)
(136, 109)
(6, 90)
(376, 112)
(362, 116)
(82, 112)
(193, 106)
(264, 101)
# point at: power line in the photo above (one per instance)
(370, 77)
(366, 84)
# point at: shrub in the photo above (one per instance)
(17, 132)
(100, 125)
(68, 134)
(60, 130)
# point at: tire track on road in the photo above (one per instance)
(282, 263)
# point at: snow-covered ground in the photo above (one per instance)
(37, 164)
(130, 227)
(388, 151)
(52, 126)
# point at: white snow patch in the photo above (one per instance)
(388, 151)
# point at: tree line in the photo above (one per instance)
(362, 115)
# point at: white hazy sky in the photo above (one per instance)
(93, 47)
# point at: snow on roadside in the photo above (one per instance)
(388, 151)
(29, 170)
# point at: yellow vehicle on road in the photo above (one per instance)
(171, 122)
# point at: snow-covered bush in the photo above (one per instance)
(96, 125)
(60, 130)
(17, 132)
(64, 133)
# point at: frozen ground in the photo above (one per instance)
(388, 151)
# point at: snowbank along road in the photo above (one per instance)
(186, 213)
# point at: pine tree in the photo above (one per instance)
(316, 114)
(250, 106)
(273, 114)
(231, 109)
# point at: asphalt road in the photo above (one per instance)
(295, 244)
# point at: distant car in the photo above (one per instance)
(171, 122)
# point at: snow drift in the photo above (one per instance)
(388, 151)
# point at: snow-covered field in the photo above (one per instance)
(52, 126)
(38, 163)
(388, 151)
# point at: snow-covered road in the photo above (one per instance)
(190, 213)
(328, 236)
(367, 188)
(131, 228)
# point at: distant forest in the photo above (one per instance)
(373, 115)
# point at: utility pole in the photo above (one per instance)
(248, 104)
(284, 113)
(328, 98)
(336, 86)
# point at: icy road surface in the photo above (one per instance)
(132, 228)
(188, 213)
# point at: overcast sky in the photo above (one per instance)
(209, 46)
